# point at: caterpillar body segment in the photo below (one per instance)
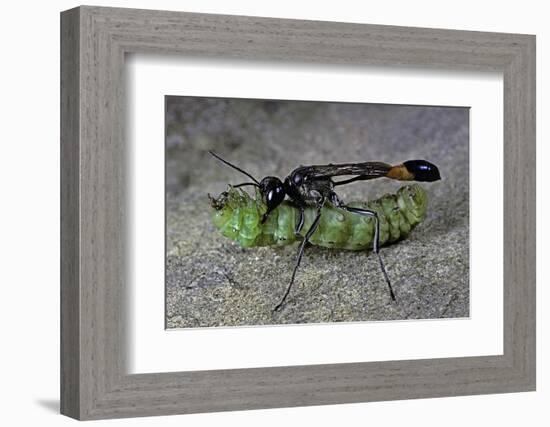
(238, 216)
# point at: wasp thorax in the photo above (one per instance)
(297, 179)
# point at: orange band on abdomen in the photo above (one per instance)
(401, 173)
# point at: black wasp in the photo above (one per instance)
(314, 186)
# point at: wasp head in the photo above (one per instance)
(273, 193)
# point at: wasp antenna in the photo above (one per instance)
(234, 167)
(246, 183)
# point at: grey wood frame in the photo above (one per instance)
(94, 381)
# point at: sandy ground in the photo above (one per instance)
(211, 281)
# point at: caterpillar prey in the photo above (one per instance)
(314, 213)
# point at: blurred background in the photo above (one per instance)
(211, 281)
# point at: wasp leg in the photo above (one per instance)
(301, 254)
(376, 243)
(300, 223)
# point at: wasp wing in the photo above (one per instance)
(362, 171)
(366, 169)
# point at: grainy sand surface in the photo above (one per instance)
(211, 281)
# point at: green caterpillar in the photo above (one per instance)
(238, 217)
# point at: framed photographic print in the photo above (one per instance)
(221, 249)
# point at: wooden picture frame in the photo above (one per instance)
(94, 382)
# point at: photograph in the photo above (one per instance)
(306, 212)
(261, 211)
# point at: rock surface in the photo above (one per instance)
(211, 281)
